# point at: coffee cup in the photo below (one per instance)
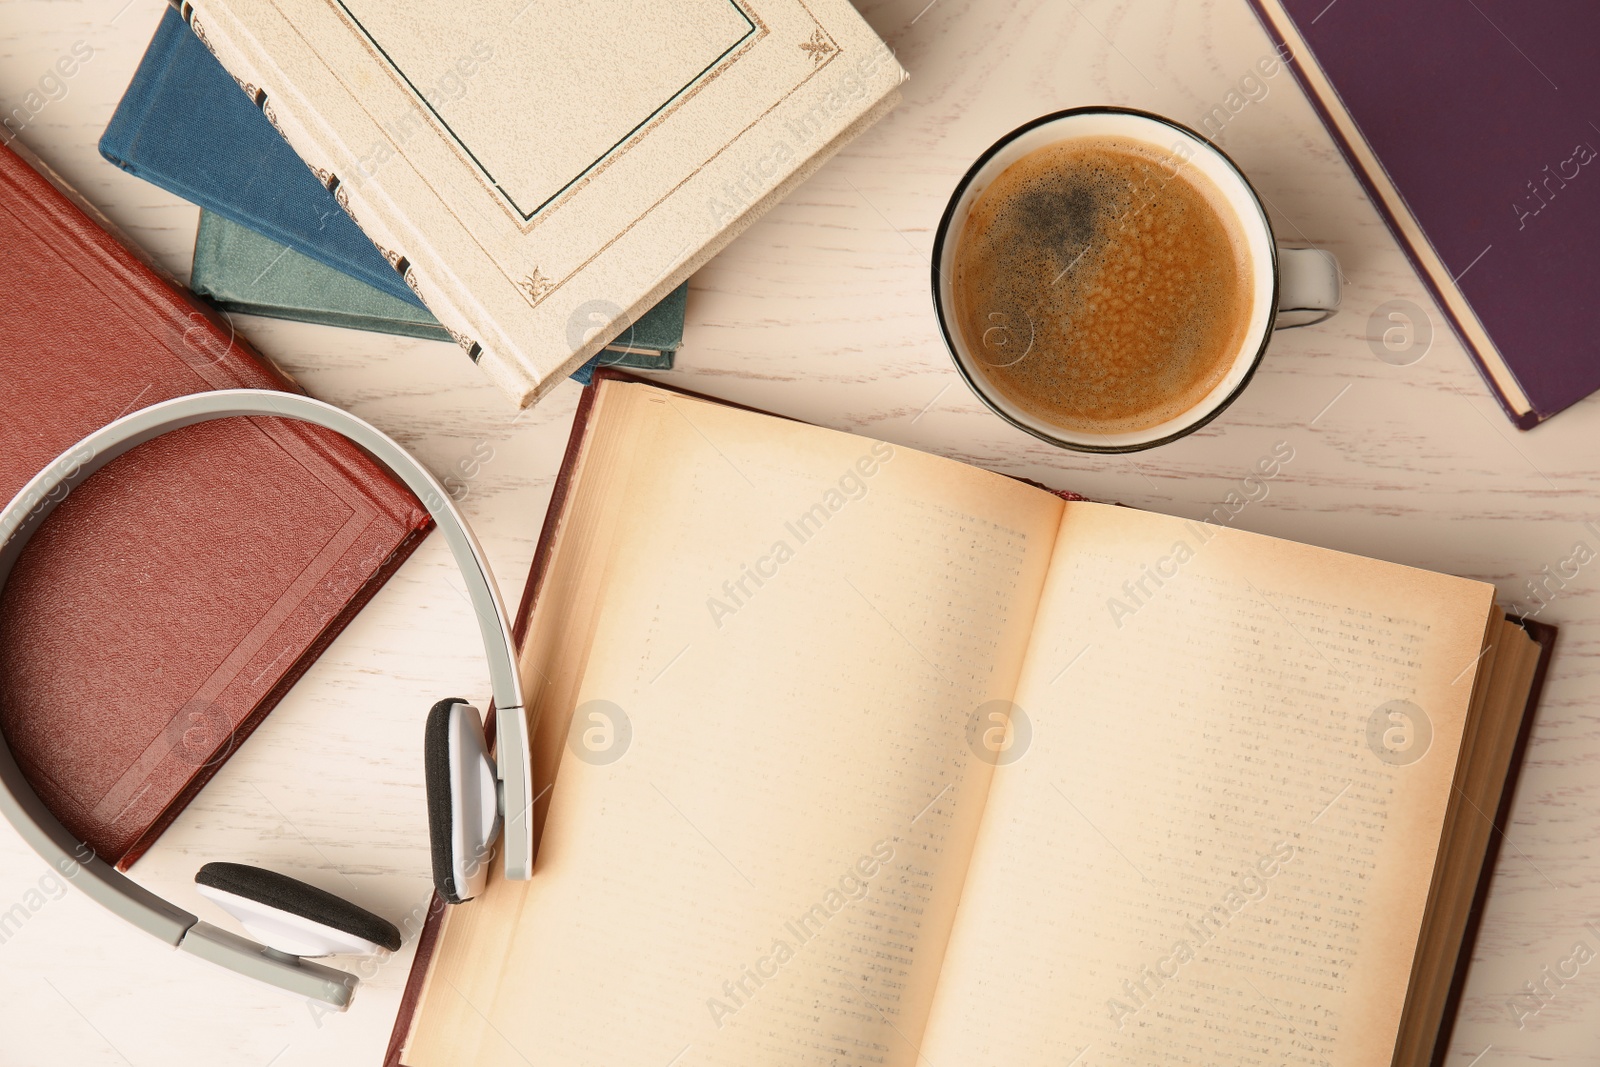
(1274, 286)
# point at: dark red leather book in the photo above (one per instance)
(174, 598)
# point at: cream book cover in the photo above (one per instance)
(542, 172)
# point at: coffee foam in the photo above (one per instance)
(1100, 287)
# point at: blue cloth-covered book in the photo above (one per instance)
(184, 125)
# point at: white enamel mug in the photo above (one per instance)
(1291, 286)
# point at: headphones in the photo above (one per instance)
(470, 795)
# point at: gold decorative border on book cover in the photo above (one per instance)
(823, 50)
(536, 288)
(526, 220)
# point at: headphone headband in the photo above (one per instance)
(101, 880)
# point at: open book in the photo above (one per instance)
(863, 756)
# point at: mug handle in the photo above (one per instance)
(1308, 286)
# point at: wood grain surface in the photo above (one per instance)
(822, 311)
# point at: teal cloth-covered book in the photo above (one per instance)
(241, 270)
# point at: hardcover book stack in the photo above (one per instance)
(541, 179)
(273, 241)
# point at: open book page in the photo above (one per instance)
(766, 802)
(1217, 843)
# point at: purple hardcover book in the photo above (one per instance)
(1473, 126)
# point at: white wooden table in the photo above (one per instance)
(822, 311)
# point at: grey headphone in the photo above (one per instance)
(470, 795)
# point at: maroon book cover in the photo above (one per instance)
(171, 600)
(1476, 131)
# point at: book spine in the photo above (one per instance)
(288, 117)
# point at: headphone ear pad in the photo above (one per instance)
(290, 916)
(463, 804)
